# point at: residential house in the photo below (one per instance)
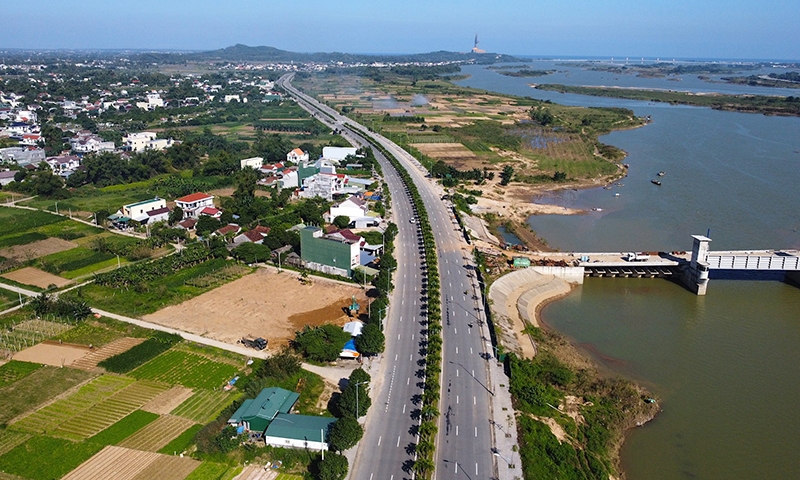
(289, 178)
(353, 208)
(187, 224)
(256, 235)
(229, 229)
(296, 156)
(141, 141)
(153, 101)
(254, 162)
(335, 255)
(193, 203)
(138, 211)
(298, 431)
(256, 414)
(211, 212)
(158, 215)
(324, 185)
(7, 177)
(22, 155)
(63, 164)
(87, 142)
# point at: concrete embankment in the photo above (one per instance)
(515, 298)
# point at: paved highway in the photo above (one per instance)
(466, 434)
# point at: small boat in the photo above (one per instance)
(597, 209)
(662, 173)
(607, 187)
(616, 194)
(655, 182)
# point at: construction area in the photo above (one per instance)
(264, 304)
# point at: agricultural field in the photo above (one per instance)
(14, 370)
(124, 428)
(8, 299)
(101, 331)
(29, 276)
(10, 439)
(36, 389)
(205, 405)
(214, 471)
(20, 335)
(130, 464)
(157, 434)
(154, 295)
(54, 457)
(189, 370)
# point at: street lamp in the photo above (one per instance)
(497, 454)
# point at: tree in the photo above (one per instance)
(176, 215)
(46, 184)
(359, 376)
(321, 344)
(206, 224)
(341, 221)
(334, 467)
(227, 439)
(251, 253)
(354, 400)
(371, 341)
(344, 433)
(506, 175)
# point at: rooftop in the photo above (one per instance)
(194, 197)
(299, 427)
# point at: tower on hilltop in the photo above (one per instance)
(475, 48)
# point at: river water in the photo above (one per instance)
(727, 365)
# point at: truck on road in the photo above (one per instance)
(636, 257)
(257, 343)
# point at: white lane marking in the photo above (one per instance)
(456, 373)
(379, 441)
(469, 331)
(412, 336)
(398, 440)
(411, 358)
(404, 411)
(456, 467)
(456, 349)
(370, 476)
(455, 330)
(476, 468)
(470, 350)
(408, 382)
(473, 374)
(476, 431)
(456, 430)
(398, 336)
(395, 357)
(474, 400)
(456, 399)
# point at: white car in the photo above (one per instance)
(413, 220)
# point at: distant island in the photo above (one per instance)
(245, 53)
(780, 80)
(767, 105)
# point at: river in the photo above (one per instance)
(726, 366)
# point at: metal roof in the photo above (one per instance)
(300, 427)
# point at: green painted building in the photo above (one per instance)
(324, 254)
(256, 414)
(299, 431)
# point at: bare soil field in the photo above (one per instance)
(168, 401)
(446, 151)
(97, 355)
(263, 304)
(36, 249)
(50, 354)
(36, 277)
(126, 464)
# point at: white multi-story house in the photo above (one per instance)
(324, 185)
(192, 204)
(138, 210)
(63, 163)
(154, 101)
(254, 162)
(353, 208)
(337, 154)
(87, 142)
(139, 142)
(296, 156)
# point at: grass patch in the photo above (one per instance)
(182, 442)
(214, 471)
(14, 370)
(187, 369)
(14, 220)
(154, 295)
(46, 458)
(140, 354)
(37, 388)
(124, 428)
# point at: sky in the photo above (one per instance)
(652, 28)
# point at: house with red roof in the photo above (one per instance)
(229, 229)
(193, 203)
(255, 235)
(296, 156)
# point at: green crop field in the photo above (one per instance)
(55, 414)
(10, 439)
(187, 369)
(181, 442)
(37, 388)
(14, 370)
(287, 476)
(75, 262)
(91, 421)
(214, 471)
(124, 428)
(46, 457)
(14, 221)
(205, 405)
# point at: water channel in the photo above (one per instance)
(727, 365)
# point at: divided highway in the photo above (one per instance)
(466, 440)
